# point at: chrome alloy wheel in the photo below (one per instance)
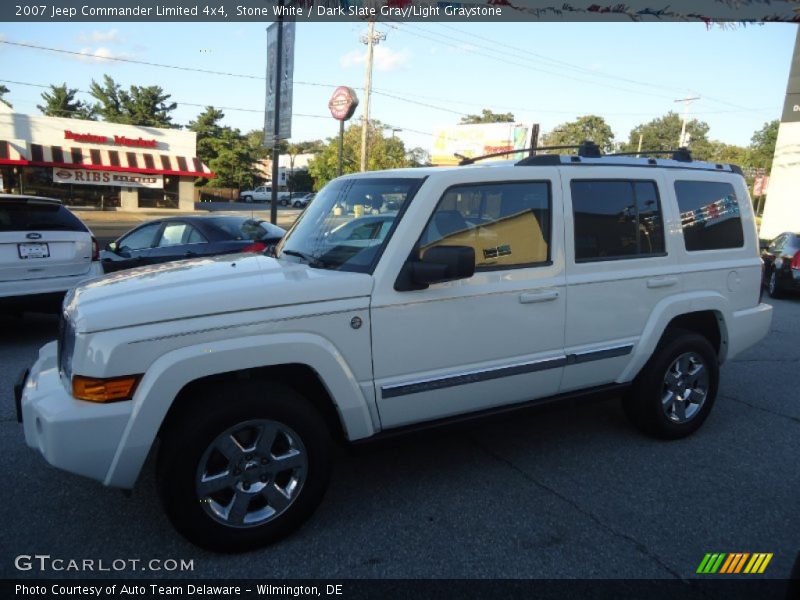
(685, 387)
(251, 473)
(772, 286)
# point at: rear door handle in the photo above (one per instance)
(534, 297)
(661, 282)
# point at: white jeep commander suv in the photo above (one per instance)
(397, 299)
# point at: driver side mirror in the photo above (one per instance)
(112, 247)
(438, 264)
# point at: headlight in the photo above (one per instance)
(66, 346)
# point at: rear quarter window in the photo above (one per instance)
(37, 216)
(709, 215)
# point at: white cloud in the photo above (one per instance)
(101, 37)
(99, 54)
(385, 59)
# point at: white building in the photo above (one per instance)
(94, 163)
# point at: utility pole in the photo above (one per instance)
(370, 40)
(276, 153)
(687, 102)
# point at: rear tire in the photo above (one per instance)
(247, 198)
(675, 391)
(243, 465)
(773, 288)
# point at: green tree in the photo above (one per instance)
(762, 146)
(488, 116)
(720, 152)
(234, 161)
(300, 181)
(384, 153)
(572, 133)
(3, 91)
(139, 105)
(60, 101)
(231, 155)
(663, 133)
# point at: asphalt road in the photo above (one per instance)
(567, 492)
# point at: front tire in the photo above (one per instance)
(675, 391)
(243, 465)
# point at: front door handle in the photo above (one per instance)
(661, 282)
(534, 297)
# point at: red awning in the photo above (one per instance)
(11, 152)
(124, 160)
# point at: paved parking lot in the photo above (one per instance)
(566, 492)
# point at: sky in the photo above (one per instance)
(428, 75)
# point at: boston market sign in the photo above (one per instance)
(343, 103)
(118, 140)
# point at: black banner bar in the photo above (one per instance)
(713, 588)
(707, 11)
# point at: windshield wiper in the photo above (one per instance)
(313, 261)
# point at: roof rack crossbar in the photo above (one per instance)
(468, 160)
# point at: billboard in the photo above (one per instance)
(286, 72)
(782, 209)
(478, 140)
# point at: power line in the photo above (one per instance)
(560, 63)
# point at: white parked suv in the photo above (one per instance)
(44, 251)
(509, 284)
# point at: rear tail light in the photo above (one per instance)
(795, 264)
(95, 249)
(255, 247)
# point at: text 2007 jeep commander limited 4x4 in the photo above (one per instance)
(399, 298)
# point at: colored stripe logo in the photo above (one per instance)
(734, 563)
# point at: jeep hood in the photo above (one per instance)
(204, 286)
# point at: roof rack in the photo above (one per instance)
(468, 160)
(681, 154)
(586, 149)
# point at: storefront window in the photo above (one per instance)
(160, 198)
(38, 181)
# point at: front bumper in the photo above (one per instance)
(73, 435)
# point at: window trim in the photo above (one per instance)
(489, 269)
(636, 256)
(739, 215)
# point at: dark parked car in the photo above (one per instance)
(782, 264)
(176, 238)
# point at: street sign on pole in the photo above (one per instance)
(286, 72)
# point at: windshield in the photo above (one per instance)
(348, 223)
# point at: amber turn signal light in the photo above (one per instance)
(104, 390)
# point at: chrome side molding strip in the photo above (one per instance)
(437, 383)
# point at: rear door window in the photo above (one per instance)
(616, 219)
(37, 216)
(709, 215)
